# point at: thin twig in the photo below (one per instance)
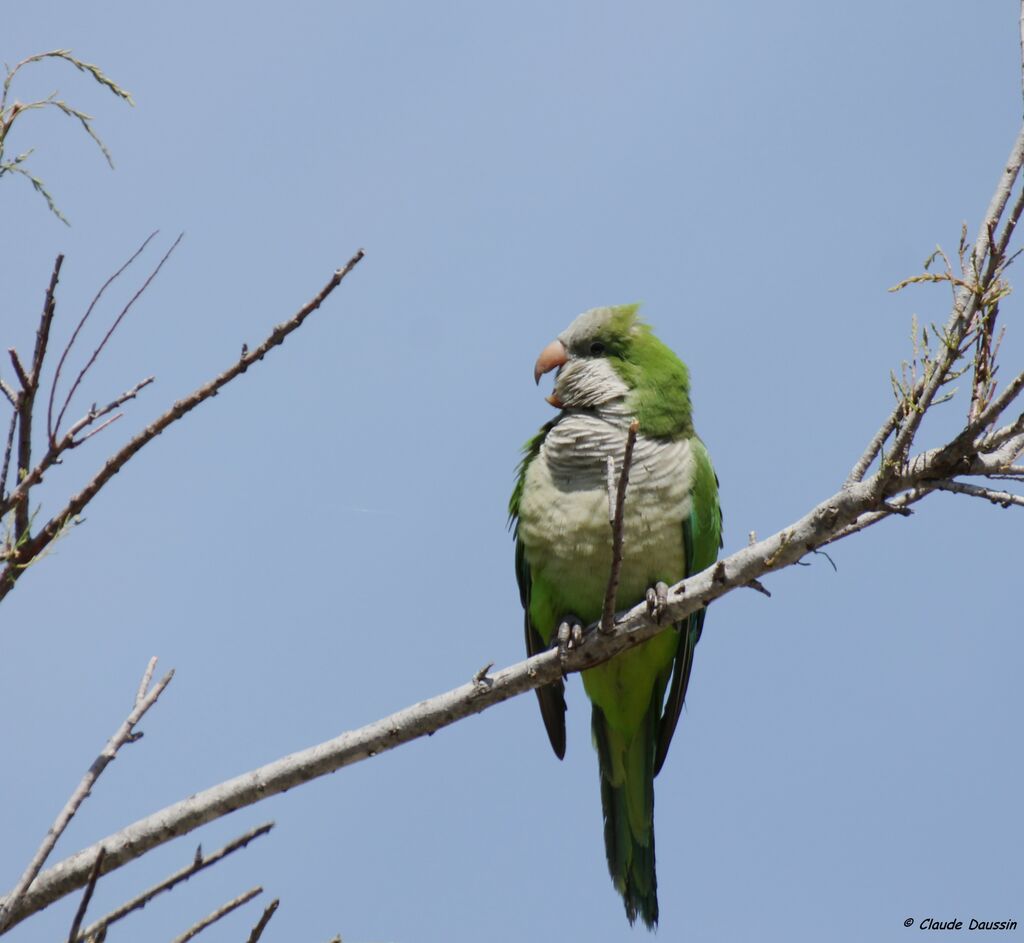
(114, 326)
(257, 931)
(875, 446)
(616, 521)
(1021, 24)
(55, 525)
(19, 369)
(124, 734)
(760, 587)
(71, 440)
(51, 431)
(898, 506)
(1002, 498)
(220, 912)
(147, 679)
(99, 428)
(94, 876)
(26, 401)
(199, 863)
(904, 421)
(11, 429)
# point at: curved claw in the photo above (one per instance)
(569, 635)
(657, 600)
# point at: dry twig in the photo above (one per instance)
(218, 914)
(124, 734)
(257, 931)
(616, 511)
(94, 876)
(27, 546)
(199, 863)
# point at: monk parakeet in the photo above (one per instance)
(612, 369)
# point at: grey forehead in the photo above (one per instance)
(586, 325)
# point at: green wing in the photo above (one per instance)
(702, 539)
(552, 696)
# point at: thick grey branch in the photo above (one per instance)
(853, 508)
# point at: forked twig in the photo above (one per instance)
(114, 326)
(50, 430)
(32, 547)
(124, 734)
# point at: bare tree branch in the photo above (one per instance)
(900, 481)
(113, 327)
(220, 912)
(257, 931)
(906, 417)
(29, 549)
(616, 510)
(851, 509)
(26, 399)
(124, 734)
(51, 429)
(71, 440)
(1002, 498)
(94, 876)
(199, 863)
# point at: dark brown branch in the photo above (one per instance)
(27, 398)
(257, 931)
(19, 369)
(199, 863)
(113, 327)
(94, 876)
(51, 432)
(616, 511)
(70, 440)
(12, 428)
(49, 531)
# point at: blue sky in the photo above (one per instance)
(758, 176)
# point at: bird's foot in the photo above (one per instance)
(570, 635)
(657, 601)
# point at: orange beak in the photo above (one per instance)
(554, 355)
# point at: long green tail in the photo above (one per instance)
(626, 765)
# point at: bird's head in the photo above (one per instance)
(608, 355)
(595, 357)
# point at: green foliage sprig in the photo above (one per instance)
(11, 112)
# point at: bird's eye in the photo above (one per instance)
(597, 348)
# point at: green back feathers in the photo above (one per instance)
(658, 378)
